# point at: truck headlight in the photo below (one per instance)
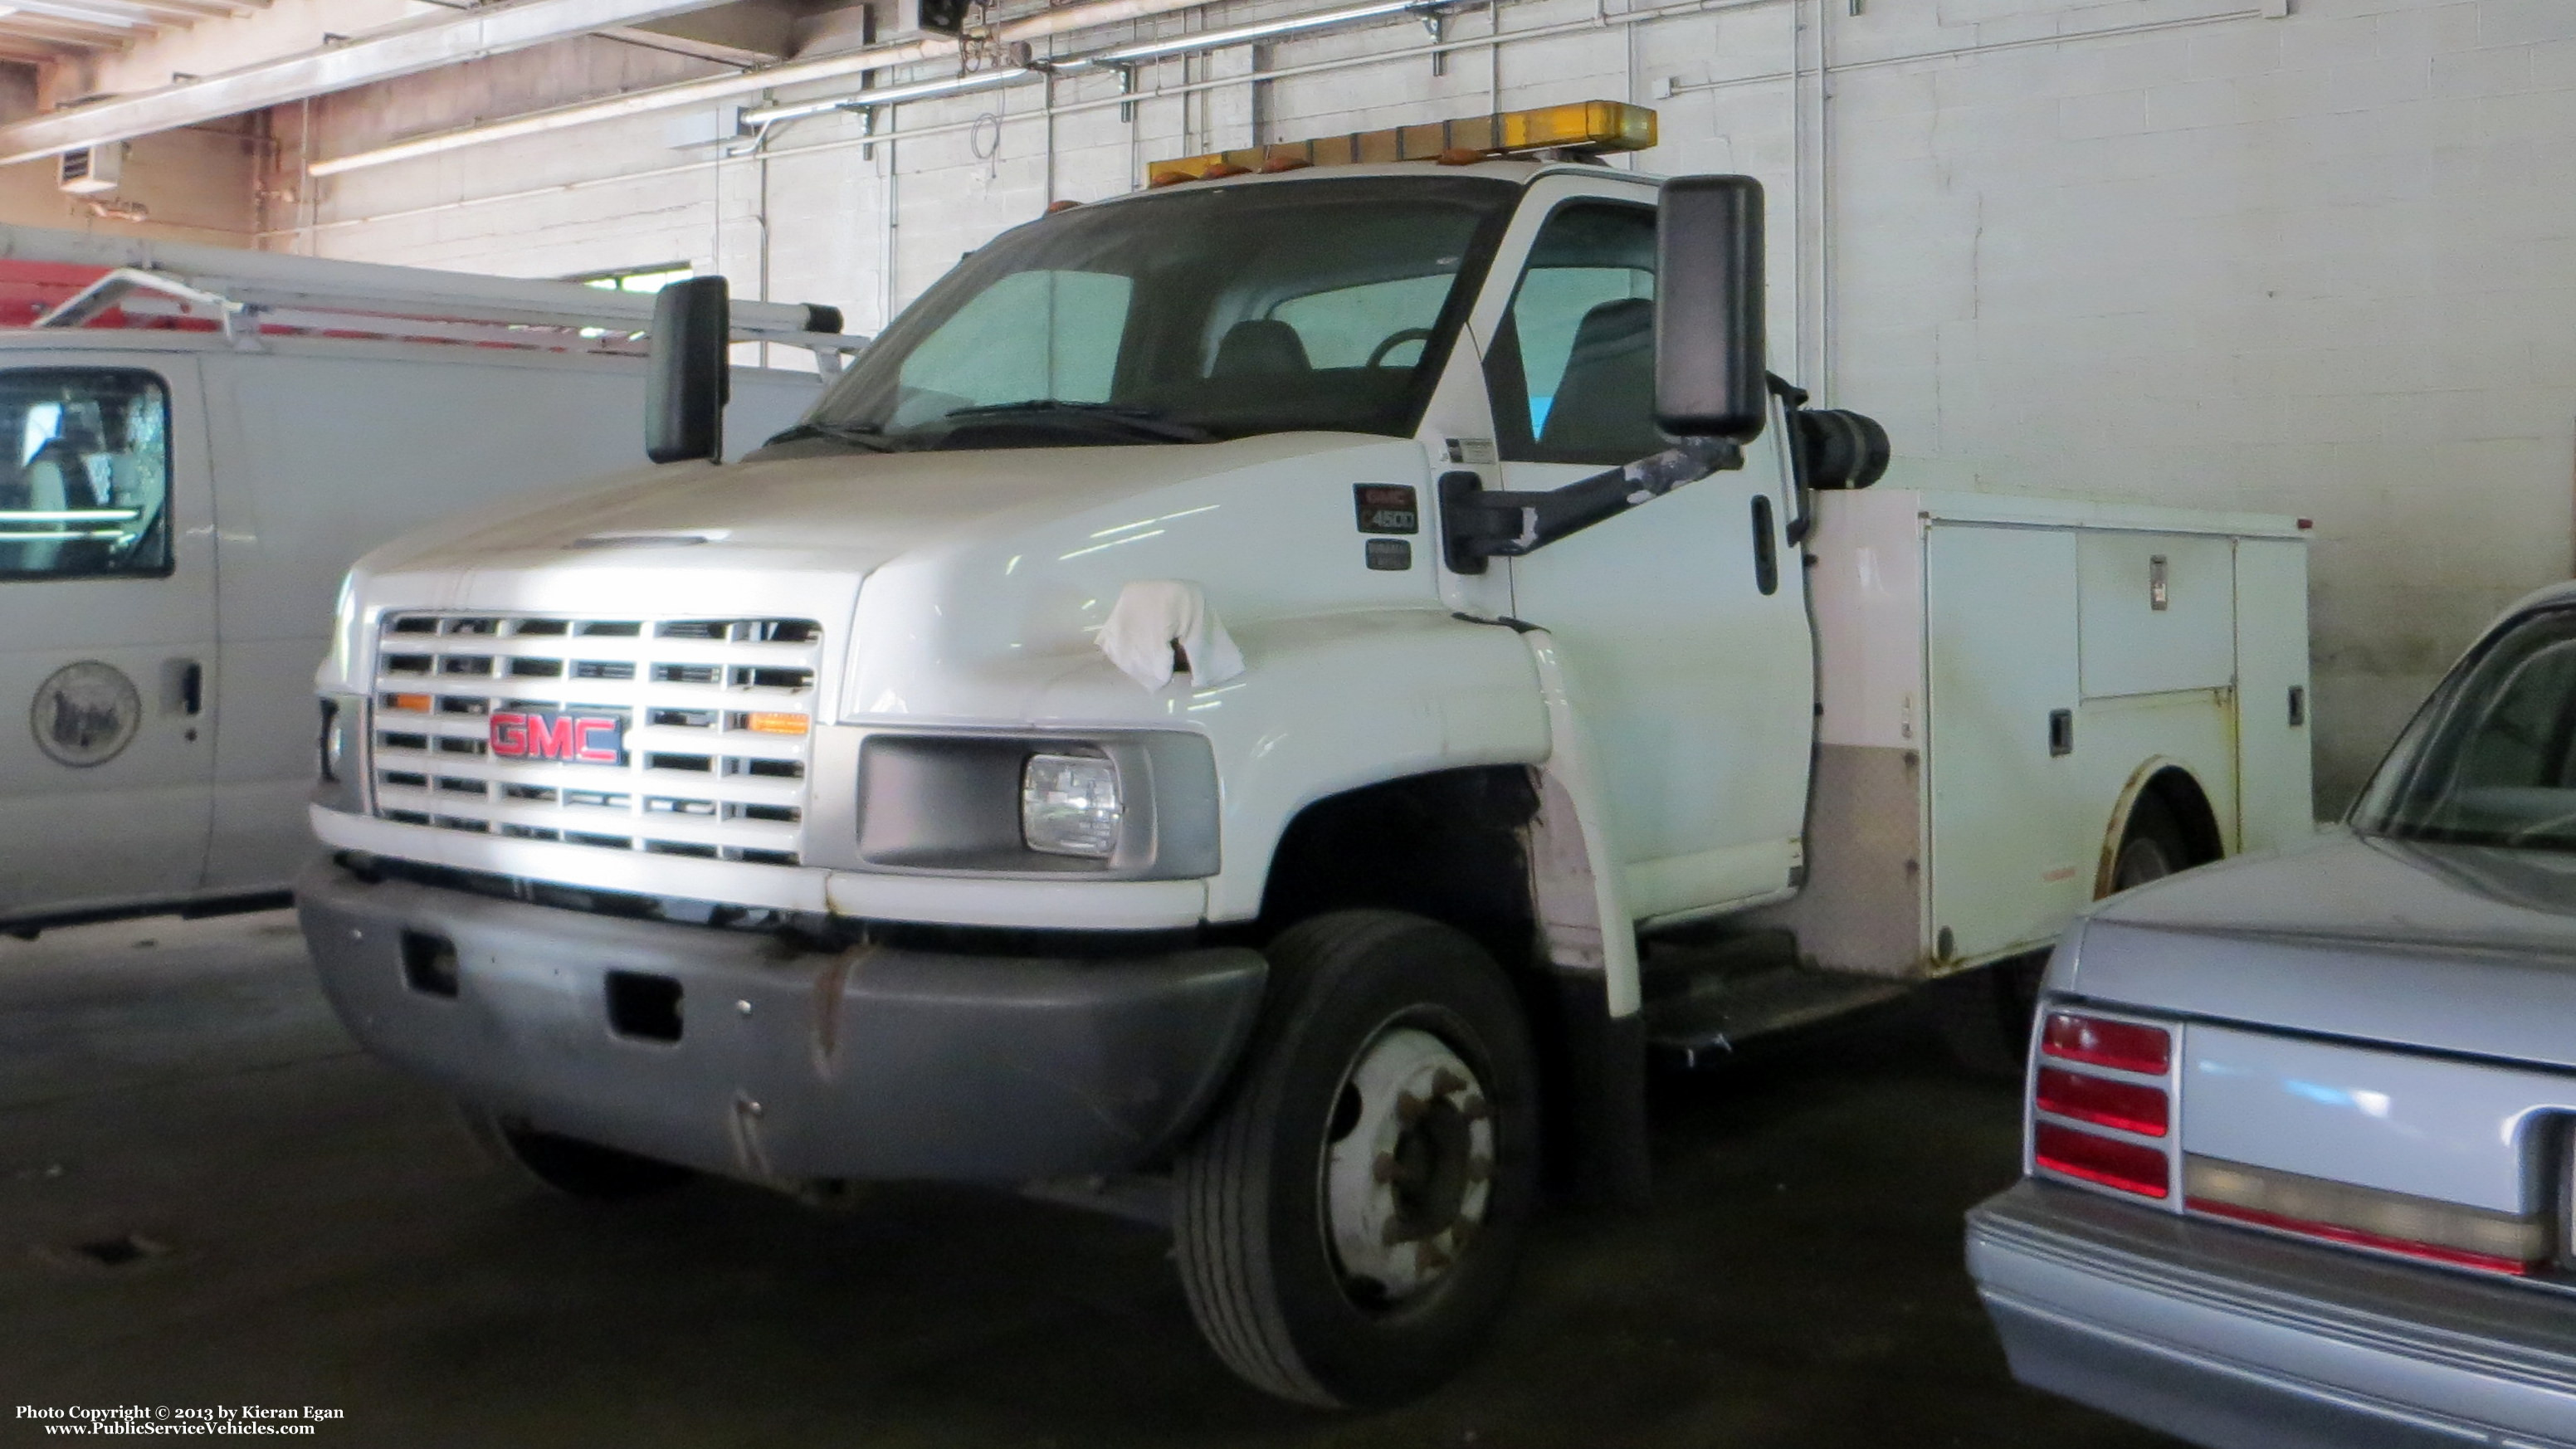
(1106, 804)
(1069, 805)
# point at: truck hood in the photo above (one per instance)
(842, 513)
(2439, 947)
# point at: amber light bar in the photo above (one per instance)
(2363, 1217)
(1576, 125)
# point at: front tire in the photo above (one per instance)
(1349, 1221)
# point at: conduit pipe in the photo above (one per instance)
(849, 63)
(1062, 108)
(396, 50)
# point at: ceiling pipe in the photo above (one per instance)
(1243, 34)
(397, 50)
(1030, 28)
(890, 95)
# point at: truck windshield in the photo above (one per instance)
(2491, 758)
(1183, 316)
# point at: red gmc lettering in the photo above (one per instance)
(510, 734)
(553, 739)
(594, 753)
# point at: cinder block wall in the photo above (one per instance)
(2179, 251)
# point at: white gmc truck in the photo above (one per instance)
(1260, 703)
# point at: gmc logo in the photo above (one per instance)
(545, 734)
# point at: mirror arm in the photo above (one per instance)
(1476, 525)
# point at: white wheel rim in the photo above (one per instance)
(1407, 1186)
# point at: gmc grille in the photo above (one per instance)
(714, 718)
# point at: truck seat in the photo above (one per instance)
(1260, 345)
(1603, 411)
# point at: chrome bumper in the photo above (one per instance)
(2241, 1340)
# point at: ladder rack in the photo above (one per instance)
(245, 294)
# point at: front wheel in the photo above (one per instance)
(1349, 1221)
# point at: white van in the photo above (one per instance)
(187, 466)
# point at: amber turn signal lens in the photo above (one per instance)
(776, 724)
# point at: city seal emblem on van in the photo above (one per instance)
(85, 714)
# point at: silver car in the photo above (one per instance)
(2300, 1129)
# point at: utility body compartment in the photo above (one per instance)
(2000, 677)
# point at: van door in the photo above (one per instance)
(1682, 623)
(107, 589)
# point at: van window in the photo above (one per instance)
(1571, 371)
(86, 486)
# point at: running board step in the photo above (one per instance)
(1721, 1011)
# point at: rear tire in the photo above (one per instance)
(568, 1165)
(2153, 847)
(1983, 1014)
(1349, 1221)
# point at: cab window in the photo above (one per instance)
(1572, 369)
(1033, 334)
(86, 486)
(1375, 324)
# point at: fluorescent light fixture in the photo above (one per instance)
(887, 96)
(1243, 34)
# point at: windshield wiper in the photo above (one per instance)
(1132, 416)
(858, 435)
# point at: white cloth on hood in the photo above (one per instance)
(1153, 615)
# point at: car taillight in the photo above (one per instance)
(2092, 1118)
(2122, 1046)
(2104, 1102)
(2128, 1166)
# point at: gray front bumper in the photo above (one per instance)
(789, 1065)
(2242, 1340)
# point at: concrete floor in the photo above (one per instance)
(314, 1231)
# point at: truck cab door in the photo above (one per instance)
(1682, 623)
(107, 587)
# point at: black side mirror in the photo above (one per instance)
(1709, 380)
(684, 400)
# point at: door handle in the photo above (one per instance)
(183, 686)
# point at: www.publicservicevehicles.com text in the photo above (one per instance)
(183, 1420)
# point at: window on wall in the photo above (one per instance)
(87, 487)
(1572, 370)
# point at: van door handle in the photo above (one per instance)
(183, 686)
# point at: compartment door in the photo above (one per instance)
(107, 581)
(2275, 791)
(2011, 859)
